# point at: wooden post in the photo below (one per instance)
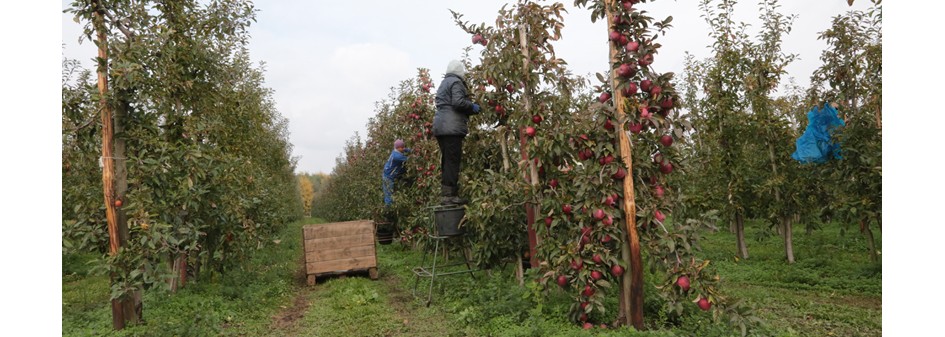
(108, 178)
(530, 209)
(632, 285)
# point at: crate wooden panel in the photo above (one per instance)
(339, 247)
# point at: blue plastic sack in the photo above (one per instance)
(815, 145)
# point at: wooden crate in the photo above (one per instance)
(339, 247)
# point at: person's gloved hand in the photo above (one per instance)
(475, 107)
(408, 150)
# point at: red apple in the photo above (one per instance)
(645, 113)
(635, 127)
(604, 97)
(666, 140)
(617, 270)
(597, 259)
(586, 231)
(609, 201)
(536, 119)
(666, 168)
(510, 88)
(626, 70)
(704, 304)
(553, 183)
(499, 109)
(118, 203)
(683, 283)
(596, 275)
(476, 39)
(667, 103)
(566, 209)
(659, 215)
(632, 46)
(659, 191)
(646, 60)
(588, 291)
(548, 221)
(606, 159)
(620, 174)
(627, 5)
(599, 214)
(609, 220)
(562, 281)
(577, 264)
(656, 90)
(631, 89)
(614, 36)
(608, 125)
(530, 131)
(606, 239)
(645, 85)
(584, 305)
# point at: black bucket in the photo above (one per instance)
(385, 233)
(447, 220)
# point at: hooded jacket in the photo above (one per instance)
(453, 106)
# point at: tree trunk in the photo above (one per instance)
(740, 235)
(632, 285)
(871, 243)
(132, 305)
(788, 239)
(785, 228)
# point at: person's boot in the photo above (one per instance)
(455, 199)
(446, 195)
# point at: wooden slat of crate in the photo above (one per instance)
(340, 253)
(363, 262)
(337, 229)
(338, 242)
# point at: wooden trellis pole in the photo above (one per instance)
(632, 285)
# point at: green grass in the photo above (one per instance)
(832, 290)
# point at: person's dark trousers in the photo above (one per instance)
(451, 155)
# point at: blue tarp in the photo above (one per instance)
(815, 145)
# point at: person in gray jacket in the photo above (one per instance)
(450, 126)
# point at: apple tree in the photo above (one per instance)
(197, 167)
(852, 76)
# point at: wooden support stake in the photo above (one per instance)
(632, 286)
(108, 178)
(532, 172)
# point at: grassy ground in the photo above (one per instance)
(833, 290)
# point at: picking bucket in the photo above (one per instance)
(447, 220)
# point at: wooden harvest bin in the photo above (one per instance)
(339, 247)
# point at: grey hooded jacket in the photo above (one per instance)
(453, 107)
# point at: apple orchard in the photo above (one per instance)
(602, 184)
(545, 165)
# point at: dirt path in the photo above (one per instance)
(413, 318)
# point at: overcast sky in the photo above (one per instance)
(330, 61)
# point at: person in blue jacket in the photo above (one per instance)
(393, 169)
(450, 126)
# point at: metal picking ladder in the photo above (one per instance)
(432, 271)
